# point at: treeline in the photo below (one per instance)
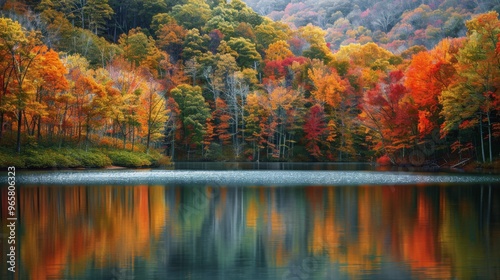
(216, 81)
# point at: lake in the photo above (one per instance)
(248, 221)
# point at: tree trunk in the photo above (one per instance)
(481, 135)
(19, 125)
(124, 135)
(1, 125)
(39, 128)
(172, 153)
(133, 137)
(489, 136)
(87, 131)
(148, 139)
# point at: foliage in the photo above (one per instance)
(214, 80)
(91, 159)
(129, 159)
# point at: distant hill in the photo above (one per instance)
(394, 24)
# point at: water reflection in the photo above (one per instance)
(194, 232)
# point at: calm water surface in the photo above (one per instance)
(175, 229)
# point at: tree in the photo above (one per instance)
(97, 13)
(20, 48)
(157, 61)
(315, 130)
(279, 50)
(473, 97)
(340, 102)
(328, 86)
(87, 14)
(281, 104)
(135, 46)
(221, 121)
(51, 85)
(256, 117)
(194, 44)
(91, 102)
(388, 113)
(173, 125)
(237, 89)
(215, 38)
(269, 32)
(217, 72)
(170, 39)
(315, 36)
(153, 113)
(193, 14)
(247, 54)
(384, 15)
(428, 74)
(194, 113)
(368, 55)
(244, 30)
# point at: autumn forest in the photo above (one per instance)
(407, 82)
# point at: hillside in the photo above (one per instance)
(396, 25)
(210, 80)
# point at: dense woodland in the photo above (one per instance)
(404, 82)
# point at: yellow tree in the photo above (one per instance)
(279, 50)
(328, 86)
(256, 117)
(92, 101)
(474, 96)
(281, 104)
(130, 85)
(315, 36)
(153, 113)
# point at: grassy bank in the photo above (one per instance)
(48, 158)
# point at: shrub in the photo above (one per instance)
(49, 159)
(39, 159)
(8, 159)
(163, 161)
(64, 161)
(129, 159)
(92, 158)
(384, 160)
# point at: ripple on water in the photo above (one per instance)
(247, 177)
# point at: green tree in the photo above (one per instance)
(193, 14)
(194, 44)
(194, 113)
(88, 14)
(247, 54)
(97, 13)
(269, 32)
(135, 46)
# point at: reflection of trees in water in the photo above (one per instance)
(66, 229)
(431, 231)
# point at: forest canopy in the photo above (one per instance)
(416, 83)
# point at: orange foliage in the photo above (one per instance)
(328, 86)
